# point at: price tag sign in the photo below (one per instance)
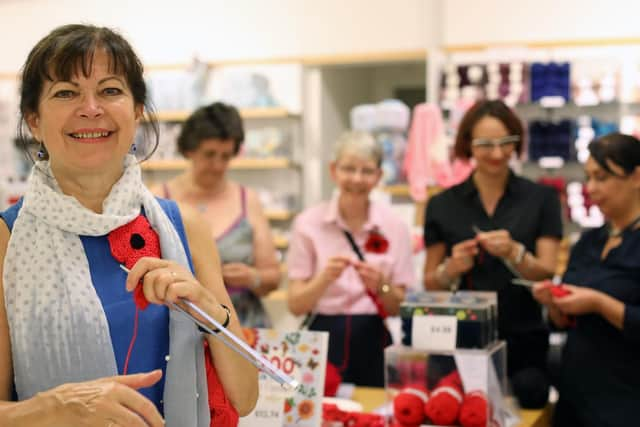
(269, 411)
(434, 333)
(303, 356)
(551, 162)
(552, 101)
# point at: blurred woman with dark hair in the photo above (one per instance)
(600, 378)
(483, 232)
(209, 139)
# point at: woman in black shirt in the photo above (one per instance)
(600, 376)
(481, 233)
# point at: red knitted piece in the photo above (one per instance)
(131, 242)
(331, 413)
(223, 414)
(332, 380)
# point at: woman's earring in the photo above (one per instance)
(41, 153)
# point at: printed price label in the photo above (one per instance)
(552, 101)
(434, 332)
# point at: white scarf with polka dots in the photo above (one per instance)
(59, 331)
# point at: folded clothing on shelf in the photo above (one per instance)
(548, 139)
(550, 80)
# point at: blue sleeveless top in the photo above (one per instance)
(152, 341)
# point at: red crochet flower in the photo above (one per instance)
(376, 243)
(131, 242)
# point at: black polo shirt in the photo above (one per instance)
(527, 210)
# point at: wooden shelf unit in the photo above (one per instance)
(544, 44)
(280, 242)
(244, 163)
(246, 113)
(279, 215)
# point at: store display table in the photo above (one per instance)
(371, 398)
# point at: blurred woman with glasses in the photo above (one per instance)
(349, 263)
(494, 227)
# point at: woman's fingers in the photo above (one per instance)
(109, 400)
(126, 407)
(141, 268)
(136, 381)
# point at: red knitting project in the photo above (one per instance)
(128, 244)
(336, 416)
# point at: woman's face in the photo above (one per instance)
(355, 175)
(210, 160)
(613, 194)
(491, 145)
(87, 123)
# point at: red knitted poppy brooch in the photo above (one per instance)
(376, 243)
(131, 242)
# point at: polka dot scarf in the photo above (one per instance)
(59, 332)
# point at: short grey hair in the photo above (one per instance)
(359, 143)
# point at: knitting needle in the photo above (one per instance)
(505, 261)
(225, 335)
(523, 282)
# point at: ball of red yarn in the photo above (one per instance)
(408, 406)
(444, 403)
(475, 410)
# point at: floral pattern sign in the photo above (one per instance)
(303, 356)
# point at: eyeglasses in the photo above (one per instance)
(352, 170)
(506, 143)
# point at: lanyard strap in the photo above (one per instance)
(374, 298)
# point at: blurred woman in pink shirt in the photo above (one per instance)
(350, 262)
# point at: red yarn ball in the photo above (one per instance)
(408, 406)
(475, 410)
(444, 403)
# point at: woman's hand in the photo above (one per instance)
(579, 300)
(498, 243)
(334, 268)
(370, 275)
(167, 282)
(541, 292)
(461, 259)
(106, 402)
(238, 274)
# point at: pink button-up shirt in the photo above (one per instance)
(317, 236)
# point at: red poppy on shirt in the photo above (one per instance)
(376, 243)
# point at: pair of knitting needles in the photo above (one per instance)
(505, 261)
(556, 280)
(235, 344)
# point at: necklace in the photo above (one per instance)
(613, 232)
(203, 205)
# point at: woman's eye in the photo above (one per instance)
(64, 94)
(112, 91)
